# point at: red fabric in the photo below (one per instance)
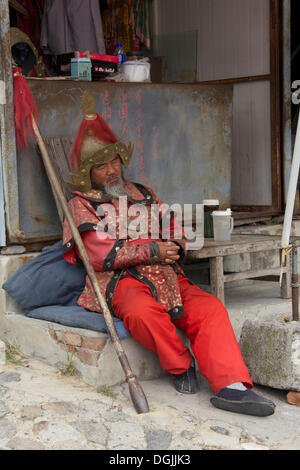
(99, 128)
(70, 256)
(24, 107)
(31, 23)
(98, 247)
(205, 323)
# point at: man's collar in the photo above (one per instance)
(135, 193)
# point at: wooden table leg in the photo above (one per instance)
(295, 284)
(217, 277)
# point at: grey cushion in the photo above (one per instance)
(77, 317)
(47, 287)
(47, 279)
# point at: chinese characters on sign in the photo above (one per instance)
(106, 113)
(139, 144)
(123, 115)
(139, 131)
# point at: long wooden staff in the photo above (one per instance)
(136, 392)
(26, 113)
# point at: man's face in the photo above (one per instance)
(108, 173)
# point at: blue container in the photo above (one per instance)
(81, 68)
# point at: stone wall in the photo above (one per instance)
(86, 349)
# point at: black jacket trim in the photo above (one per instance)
(176, 312)
(110, 259)
(182, 252)
(110, 289)
(84, 228)
(182, 273)
(95, 205)
(148, 198)
(139, 276)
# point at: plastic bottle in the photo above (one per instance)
(120, 53)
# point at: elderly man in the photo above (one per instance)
(142, 279)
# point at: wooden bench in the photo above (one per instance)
(59, 149)
(239, 244)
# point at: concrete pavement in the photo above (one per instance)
(42, 408)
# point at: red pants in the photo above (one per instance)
(205, 323)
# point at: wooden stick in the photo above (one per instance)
(136, 392)
(295, 285)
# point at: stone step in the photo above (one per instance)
(90, 354)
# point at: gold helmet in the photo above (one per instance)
(95, 144)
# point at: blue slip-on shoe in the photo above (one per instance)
(245, 402)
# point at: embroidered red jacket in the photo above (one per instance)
(120, 245)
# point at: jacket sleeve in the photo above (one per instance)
(107, 254)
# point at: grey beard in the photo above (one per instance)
(117, 189)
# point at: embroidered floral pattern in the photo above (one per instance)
(166, 284)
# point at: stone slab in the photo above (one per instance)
(32, 337)
(271, 350)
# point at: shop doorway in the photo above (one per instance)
(238, 43)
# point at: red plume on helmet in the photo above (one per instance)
(95, 127)
(24, 107)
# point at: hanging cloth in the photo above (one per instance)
(142, 21)
(69, 26)
(30, 24)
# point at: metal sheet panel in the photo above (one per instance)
(182, 137)
(233, 35)
(8, 158)
(286, 105)
(251, 155)
(2, 214)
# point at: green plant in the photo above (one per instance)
(68, 368)
(107, 391)
(13, 355)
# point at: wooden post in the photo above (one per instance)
(295, 284)
(286, 283)
(217, 277)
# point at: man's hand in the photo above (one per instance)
(168, 252)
